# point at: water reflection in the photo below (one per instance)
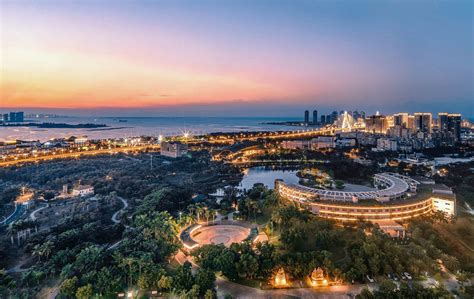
(266, 176)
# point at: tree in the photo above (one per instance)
(108, 280)
(183, 279)
(210, 294)
(165, 283)
(387, 287)
(69, 286)
(85, 292)
(43, 250)
(247, 265)
(339, 184)
(365, 294)
(205, 279)
(193, 292)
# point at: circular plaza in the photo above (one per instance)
(197, 234)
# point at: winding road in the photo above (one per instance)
(116, 214)
(33, 214)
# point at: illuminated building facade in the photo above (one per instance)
(391, 203)
(173, 149)
(376, 124)
(423, 122)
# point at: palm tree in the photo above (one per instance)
(191, 209)
(47, 249)
(277, 218)
(11, 231)
(199, 211)
(207, 214)
(37, 251)
(44, 249)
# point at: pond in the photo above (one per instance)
(266, 176)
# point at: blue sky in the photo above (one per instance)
(237, 57)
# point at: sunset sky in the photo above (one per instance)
(236, 57)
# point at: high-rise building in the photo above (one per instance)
(329, 118)
(20, 116)
(454, 125)
(306, 116)
(315, 116)
(323, 119)
(334, 116)
(423, 122)
(411, 122)
(16, 117)
(443, 122)
(12, 117)
(5, 118)
(376, 124)
(401, 119)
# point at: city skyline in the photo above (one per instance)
(236, 58)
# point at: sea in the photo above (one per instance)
(123, 127)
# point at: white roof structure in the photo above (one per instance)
(397, 186)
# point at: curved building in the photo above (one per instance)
(390, 203)
(392, 187)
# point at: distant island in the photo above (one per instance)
(56, 125)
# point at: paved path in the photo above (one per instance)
(125, 205)
(33, 214)
(19, 211)
(469, 209)
(240, 291)
(80, 154)
(224, 287)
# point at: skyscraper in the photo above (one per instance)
(376, 124)
(328, 119)
(315, 117)
(443, 122)
(16, 117)
(323, 119)
(454, 125)
(334, 116)
(400, 119)
(306, 116)
(423, 122)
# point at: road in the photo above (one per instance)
(268, 135)
(33, 214)
(240, 291)
(79, 154)
(19, 210)
(115, 215)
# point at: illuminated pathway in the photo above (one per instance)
(80, 154)
(246, 137)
